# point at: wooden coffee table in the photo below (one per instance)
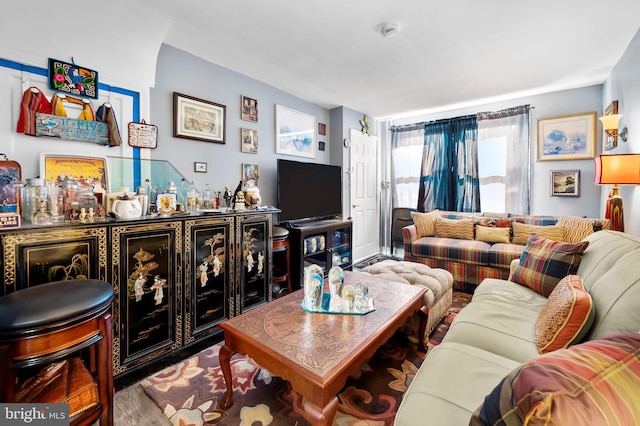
(316, 352)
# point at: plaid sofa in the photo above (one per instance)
(469, 261)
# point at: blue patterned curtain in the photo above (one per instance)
(449, 174)
(467, 185)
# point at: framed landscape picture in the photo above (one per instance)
(198, 119)
(565, 183)
(568, 137)
(295, 133)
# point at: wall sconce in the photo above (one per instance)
(610, 121)
(617, 169)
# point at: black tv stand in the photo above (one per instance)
(324, 242)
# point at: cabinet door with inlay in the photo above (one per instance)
(147, 276)
(209, 272)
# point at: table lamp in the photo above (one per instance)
(617, 169)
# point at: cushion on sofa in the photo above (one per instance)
(452, 249)
(577, 228)
(595, 382)
(450, 228)
(566, 317)
(521, 232)
(425, 222)
(544, 263)
(492, 235)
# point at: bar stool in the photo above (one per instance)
(61, 323)
(281, 262)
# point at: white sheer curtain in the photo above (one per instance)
(407, 144)
(512, 124)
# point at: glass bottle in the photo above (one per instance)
(206, 197)
(34, 192)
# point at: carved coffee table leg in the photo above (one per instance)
(424, 314)
(314, 414)
(225, 364)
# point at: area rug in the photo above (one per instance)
(190, 392)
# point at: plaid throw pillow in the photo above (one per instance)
(593, 383)
(543, 263)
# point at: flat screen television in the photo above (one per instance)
(308, 190)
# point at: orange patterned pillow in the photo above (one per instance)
(566, 317)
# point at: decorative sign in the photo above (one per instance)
(9, 220)
(143, 135)
(72, 129)
(73, 79)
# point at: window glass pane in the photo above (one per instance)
(492, 157)
(492, 198)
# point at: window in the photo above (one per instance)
(492, 170)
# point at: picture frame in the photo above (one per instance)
(89, 171)
(567, 137)
(198, 119)
(199, 167)
(295, 133)
(322, 129)
(249, 109)
(565, 183)
(250, 174)
(249, 140)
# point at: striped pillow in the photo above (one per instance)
(521, 232)
(566, 317)
(593, 383)
(577, 228)
(425, 222)
(543, 263)
(449, 228)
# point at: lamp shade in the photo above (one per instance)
(618, 169)
(611, 121)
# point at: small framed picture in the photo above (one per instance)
(250, 175)
(565, 183)
(199, 167)
(249, 140)
(249, 109)
(322, 129)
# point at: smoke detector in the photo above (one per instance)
(389, 29)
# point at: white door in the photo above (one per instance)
(364, 195)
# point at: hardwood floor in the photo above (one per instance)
(132, 407)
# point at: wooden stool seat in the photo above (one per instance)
(55, 322)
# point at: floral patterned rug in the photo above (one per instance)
(190, 392)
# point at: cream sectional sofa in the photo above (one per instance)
(494, 334)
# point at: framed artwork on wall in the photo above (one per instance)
(250, 175)
(249, 109)
(295, 133)
(249, 140)
(198, 119)
(568, 137)
(565, 183)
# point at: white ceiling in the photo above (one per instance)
(448, 54)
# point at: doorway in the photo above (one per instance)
(364, 195)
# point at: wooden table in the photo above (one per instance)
(316, 352)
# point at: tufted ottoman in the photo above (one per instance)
(437, 299)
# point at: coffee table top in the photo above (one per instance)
(321, 345)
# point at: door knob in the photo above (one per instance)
(355, 205)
